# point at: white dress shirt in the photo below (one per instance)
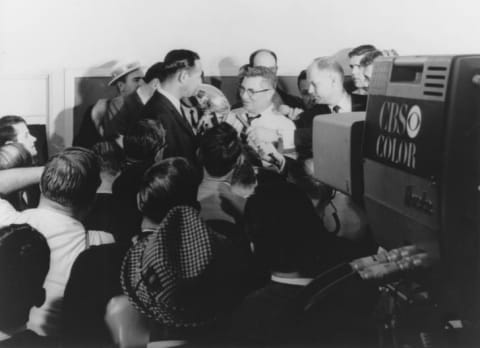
(270, 119)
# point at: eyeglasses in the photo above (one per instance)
(250, 92)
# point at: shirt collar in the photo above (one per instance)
(268, 110)
(174, 100)
(291, 281)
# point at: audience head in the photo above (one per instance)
(166, 184)
(127, 77)
(220, 149)
(303, 87)
(326, 80)
(144, 141)
(24, 264)
(110, 155)
(14, 155)
(183, 69)
(285, 236)
(71, 179)
(366, 64)
(171, 275)
(265, 58)
(13, 129)
(257, 88)
(153, 75)
(355, 57)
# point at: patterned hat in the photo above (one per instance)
(164, 274)
(123, 69)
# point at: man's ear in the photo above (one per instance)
(120, 86)
(182, 75)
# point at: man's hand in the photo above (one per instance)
(257, 135)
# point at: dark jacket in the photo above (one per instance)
(303, 133)
(181, 141)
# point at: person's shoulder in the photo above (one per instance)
(281, 119)
(100, 106)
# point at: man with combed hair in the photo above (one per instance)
(68, 186)
(181, 77)
(355, 56)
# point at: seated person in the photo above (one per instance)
(289, 240)
(143, 144)
(24, 263)
(68, 185)
(103, 215)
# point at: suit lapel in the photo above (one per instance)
(177, 116)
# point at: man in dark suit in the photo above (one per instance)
(182, 75)
(326, 85)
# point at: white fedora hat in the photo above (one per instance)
(123, 69)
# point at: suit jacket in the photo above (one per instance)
(303, 133)
(181, 141)
(128, 114)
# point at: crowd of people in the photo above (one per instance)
(152, 225)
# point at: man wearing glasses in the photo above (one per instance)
(256, 91)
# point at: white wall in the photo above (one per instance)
(49, 36)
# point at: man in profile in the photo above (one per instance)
(326, 79)
(180, 78)
(97, 122)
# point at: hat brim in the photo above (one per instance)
(115, 79)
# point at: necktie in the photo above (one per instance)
(336, 109)
(250, 118)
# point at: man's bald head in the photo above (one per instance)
(326, 80)
(265, 58)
